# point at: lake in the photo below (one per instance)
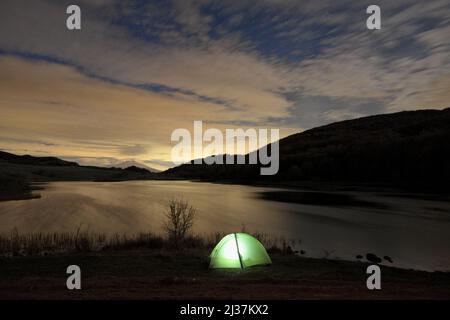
(413, 231)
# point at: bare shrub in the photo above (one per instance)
(179, 219)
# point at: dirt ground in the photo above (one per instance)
(156, 274)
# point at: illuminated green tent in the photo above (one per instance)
(238, 250)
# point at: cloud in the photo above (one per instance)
(174, 44)
(93, 161)
(215, 71)
(133, 150)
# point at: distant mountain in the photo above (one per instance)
(132, 163)
(17, 172)
(410, 149)
(137, 169)
(30, 160)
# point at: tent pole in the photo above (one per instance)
(239, 254)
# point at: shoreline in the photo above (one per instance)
(320, 186)
(20, 196)
(26, 195)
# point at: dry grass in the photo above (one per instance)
(39, 243)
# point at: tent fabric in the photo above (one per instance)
(238, 250)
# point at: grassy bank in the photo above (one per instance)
(149, 266)
(184, 274)
(44, 244)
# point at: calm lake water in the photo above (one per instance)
(414, 232)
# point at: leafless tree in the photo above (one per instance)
(179, 219)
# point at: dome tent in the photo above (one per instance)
(238, 250)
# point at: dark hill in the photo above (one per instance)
(410, 149)
(30, 160)
(137, 169)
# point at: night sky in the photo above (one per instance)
(137, 70)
